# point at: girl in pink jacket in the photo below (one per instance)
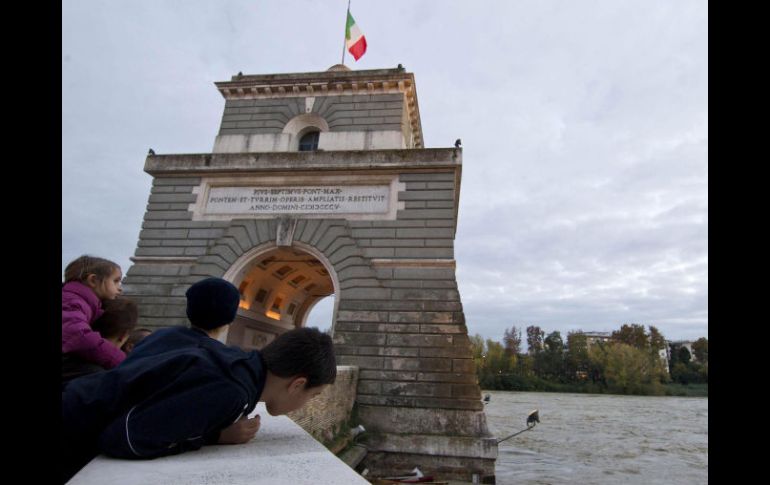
(87, 281)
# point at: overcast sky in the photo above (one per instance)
(584, 197)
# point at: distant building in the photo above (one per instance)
(675, 345)
(595, 337)
(665, 355)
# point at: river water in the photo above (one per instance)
(600, 439)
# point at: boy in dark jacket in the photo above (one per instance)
(181, 389)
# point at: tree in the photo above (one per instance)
(628, 369)
(512, 341)
(700, 349)
(534, 339)
(576, 359)
(657, 342)
(685, 373)
(554, 343)
(683, 355)
(633, 335)
(550, 362)
(497, 361)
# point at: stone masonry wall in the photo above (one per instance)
(325, 415)
(358, 112)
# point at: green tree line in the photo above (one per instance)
(629, 362)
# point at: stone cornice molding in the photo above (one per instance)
(345, 160)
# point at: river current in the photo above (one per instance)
(600, 439)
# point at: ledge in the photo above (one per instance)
(340, 160)
(282, 452)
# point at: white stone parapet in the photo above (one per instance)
(281, 452)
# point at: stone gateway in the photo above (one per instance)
(318, 184)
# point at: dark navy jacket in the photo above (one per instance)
(175, 392)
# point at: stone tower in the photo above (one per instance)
(319, 184)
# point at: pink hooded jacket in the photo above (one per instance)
(79, 307)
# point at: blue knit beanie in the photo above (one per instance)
(212, 303)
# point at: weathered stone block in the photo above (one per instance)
(424, 273)
(360, 283)
(195, 251)
(388, 375)
(168, 215)
(393, 243)
(161, 198)
(463, 365)
(425, 294)
(350, 338)
(469, 391)
(365, 293)
(355, 272)
(440, 204)
(426, 364)
(343, 253)
(447, 352)
(361, 316)
(378, 252)
(374, 233)
(241, 236)
(330, 236)
(440, 243)
(414, 204)
(182, 242)
(428, 253)
(419, 340)
(361, 362)
(453, 377)
(158, 181)
(416, 389)
(369, 387)
(436, 232)
(423, 421)
(427, 177)
(159, 251)
(425, 214)
(452, 329)
(427, 195)
(150, 243)
(440, 223)
(389, 351)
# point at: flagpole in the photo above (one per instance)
(345, 36)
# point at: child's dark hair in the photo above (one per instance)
(304, 352)
(79, 269)
(120, 316)
(137, 335)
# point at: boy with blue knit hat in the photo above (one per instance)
(181, 389)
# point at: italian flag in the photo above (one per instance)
(354, 39)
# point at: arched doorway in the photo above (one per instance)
(278, 287)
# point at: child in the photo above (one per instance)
(134, 338)
(115, 325)
(87, 281)
(182, 389)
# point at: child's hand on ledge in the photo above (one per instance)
(241, 431)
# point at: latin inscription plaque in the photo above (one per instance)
(338, 199)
